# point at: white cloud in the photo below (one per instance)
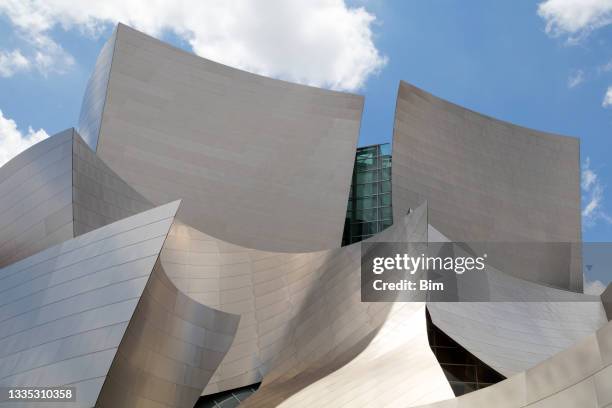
(593, 192)
(595, 287)
(575, 18)
(316, 42)
(43, 53)
(607, 100)
(13, 141)
(11, 62)
(575, 79)
(605, 67)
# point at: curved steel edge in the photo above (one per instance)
(98, 313)
(169, 351)
(577, 377)
(394, 368)
(510, 335)
(56, 190)
(295, 308)
(489, 181)
(257, 153)
(64, 310)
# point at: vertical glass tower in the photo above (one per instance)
(369, 204)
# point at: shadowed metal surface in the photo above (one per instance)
(489, 181)
(56, 190)
(64, 311)
(99, 196)
(169, 351)
(257, 154)
(577, 377)
(36, 199)
(606, 299)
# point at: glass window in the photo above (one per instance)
(366, 159)
(385, 200)
(385, 161)
(386, 213)
(386, 174)
(385, 149)
(366, 189)
(366, 215)
(385, 186)
(365, 177)
(367, 202)
(367, 228)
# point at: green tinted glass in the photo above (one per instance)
(366, 177)
(366, 189)
(366, 215)
(385, 200)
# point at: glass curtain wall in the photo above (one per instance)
(369, 204)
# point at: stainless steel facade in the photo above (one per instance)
(57, 190)
(255, 152)
(169, 351)
(36, 199)
(294, 307)
(579, 376)
(109, 285)
(489, 181)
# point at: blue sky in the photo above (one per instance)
(542, 64)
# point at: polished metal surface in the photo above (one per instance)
(99, 196)
(169, 351)
(510, 335)
(489, 181)
(36, 199)
(295, 308)
(92, 106)
(64, 311)
(579, 376)
(98, 313)
(392, 367)
(268, 160)
(56, 190)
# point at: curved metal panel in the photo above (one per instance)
(295, 308)
(169, 351)
(64, 311)
(577, 377)
(56, 190)
(94, 98)
(269, 161)
(36, 198)
(489, 181)
(512, 336)
(99, 196)
(397, 357)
